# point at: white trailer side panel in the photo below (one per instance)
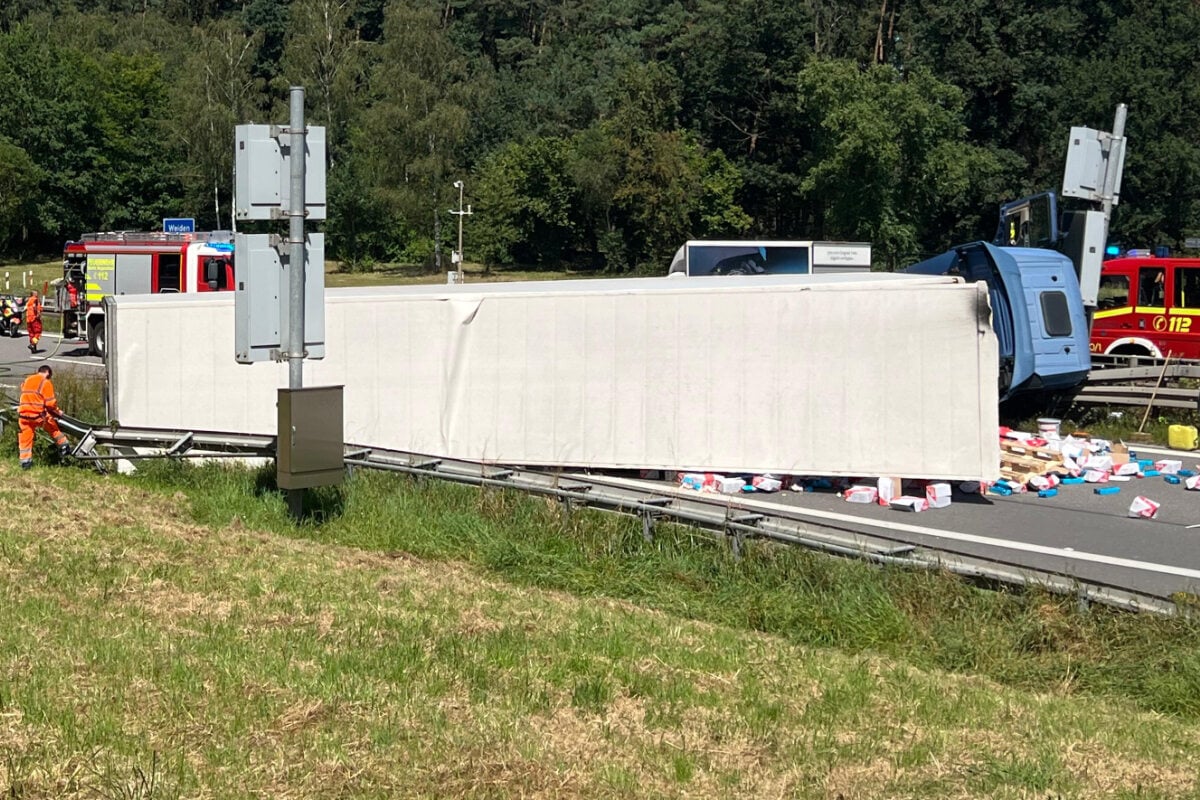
(831, 375)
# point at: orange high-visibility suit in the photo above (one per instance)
(38, 409)
(33, 320)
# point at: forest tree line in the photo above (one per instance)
(597, 135)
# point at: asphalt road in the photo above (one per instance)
(1079, 534)
(16, 361)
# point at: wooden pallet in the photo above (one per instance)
(1017, 448)
(1020, 462)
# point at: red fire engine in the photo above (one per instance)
(103, 264)
(1148, 306)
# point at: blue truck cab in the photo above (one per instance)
(1037, 312)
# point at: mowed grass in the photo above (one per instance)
(43, 273)
(173, 636)
(398, 275)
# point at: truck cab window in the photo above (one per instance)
(168, 272)
(1187, 287)
(1056, 314)
(1150, 286)
(1114, 292)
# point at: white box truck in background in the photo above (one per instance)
(763, 257)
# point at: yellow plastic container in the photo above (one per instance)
(1183, 437)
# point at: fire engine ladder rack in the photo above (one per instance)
(731, 519)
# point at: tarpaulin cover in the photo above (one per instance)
(832, 375)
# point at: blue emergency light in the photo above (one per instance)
(1112, 250)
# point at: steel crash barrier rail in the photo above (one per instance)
(1141, 381)
(730, 520)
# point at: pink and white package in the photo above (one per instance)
(766, 483)
(1095, 476)
(906, 503)
(1044, 481)
(1168, 466)
(937, 495)
(1100, 463)
(1128, 468)
(1192, 482)
(861, 494)
(699, 481)
(1143, 507)
(889, 489)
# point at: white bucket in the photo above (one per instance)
(1048, 427)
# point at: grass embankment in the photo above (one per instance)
(173, 636)
(399, 275)
(15, 278)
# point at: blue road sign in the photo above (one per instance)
(179, 225)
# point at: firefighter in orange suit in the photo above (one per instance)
(38, 409)
(33, 320)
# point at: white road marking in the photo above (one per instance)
(75, 362)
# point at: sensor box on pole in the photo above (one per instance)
(261, 308)
(262, 167)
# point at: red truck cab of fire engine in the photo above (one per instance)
(1148, 305)
(104, 264)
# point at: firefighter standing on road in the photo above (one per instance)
(33, 320)
(39, 409)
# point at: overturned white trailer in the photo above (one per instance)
(830, 375)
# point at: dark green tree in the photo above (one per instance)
(418, 121)
(325, 55)
(19, 180)
(526, 204)
(890, 155)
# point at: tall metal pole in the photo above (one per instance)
(1113, 165)
(295, 342)
(460, 217)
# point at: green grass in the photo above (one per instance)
(1027, 640)
(175, 635)
(44, 272)
(179, 639)
(401, 275)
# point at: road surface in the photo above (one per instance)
(62, 354)
(1078, 534)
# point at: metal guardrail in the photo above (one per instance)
(1141, 396)
(1140, 374)
(722, 515)
(1100, 363)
